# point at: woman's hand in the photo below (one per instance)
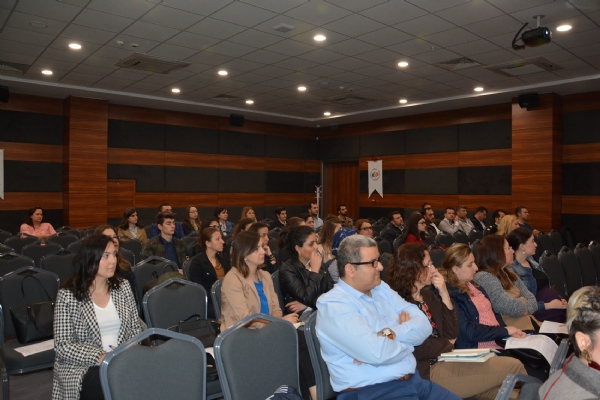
(439, 283)
(316, 258)
(515, 332)
(102, 357)
(556, 303)
(293, 318)
(295, 306)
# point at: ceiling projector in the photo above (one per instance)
(532, 38)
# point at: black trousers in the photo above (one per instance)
(91, 389)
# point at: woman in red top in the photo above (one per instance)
(35, 225)
(415, 229)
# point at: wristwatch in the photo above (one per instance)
(388, 333)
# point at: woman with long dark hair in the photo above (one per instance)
(222, 214)
(94, 313)
(416, 229)
(325, 243)
(191, 221)
(131, 227)
(35, 224)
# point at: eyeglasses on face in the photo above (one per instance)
(373, 263)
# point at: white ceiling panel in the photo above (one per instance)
(197, 7)
(579, 23)
(49, 9)
(411, 47)
(308, 37)
(216, 29)
(160, 79)
(77, 76)
(208, 58)
(230, 49)
(425, 25)
(266, 57)
(8, 46)
(252, 78)
(354, 25)
(172, 51)
(436, 56)
(130, 8)
(111, 54)
(451, 37)
(64, 55)
(4, 13)
(17, 58)
(170, 17)
(101, 20)
(577, 73)
(112, 83)
(99, 72)
(92, 35)
(276, 6)
(51, 64)
(385, 37)
(513, 6)
(380, 56)
(496, 57)
(323, 71)
(192, 40)
(132, 74)
(87, 48)
(587, 50)
(25, 36)
(474, 47)
(322, 56)
(577, 38)
(469, 13)
(298, 26)
(255, 38)
(8, 4)
(554, 11)
(426, 70)
(21, 20)
(295, 64)
(393, 12)
(349, 77)
(351, 47)
(290, 48)
(241, 65)
(595, 16)
(318, 12)
(445, 77)
(243, 14)
(132, 43)
(356, 5)
(584, 5)
(436, 5)
(272, 71)
(150, 31)
(35, 73)
(349, 63)
(495, 26)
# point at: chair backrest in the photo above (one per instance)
(586, 264)
(36, 251)
(274, 233)
(4, 235)
(277, 287)
(322, 378)
(74, 247)
(70, 230)
(253, 363)
(189, 239)
(128, 255)
(385, 262)
(399, 241)
(6, 249)
(384, 246)
(59, 264)
(131, 244)
(18, 242)
(545, 243)
(570, 265)
(474, 245)
(11, 295)
(62, 238)
(559, 357)
(595, 250)
(475, 235)
(437, 255)
(172, 301)
(10, 262)
(215, 295)
(444, 238)
(176, 369)
(461, 237)
(551, 264)
(557, 240)
(143, 271)
(273, 244)
(148, 229)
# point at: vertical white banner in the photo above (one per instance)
(375, 173)
(2, 174)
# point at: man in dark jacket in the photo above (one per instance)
(478, 219)
(394, 229)
(166, 245)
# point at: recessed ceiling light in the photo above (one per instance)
(37, 24)
(403, 101)
(249, 101)
(302, 88)
(320, 38)
(75, 46)
(223, 72)
(47, 72)
(327, 113)
(564, 28)
(175, 90)
(478, 89)
(403, 64)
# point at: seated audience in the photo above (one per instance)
(280, 218)
(308, 219)
(364, 227)
(242, 225)
(367, 332)
(35, 225)
(284, 253)
(154, 231)
(124, 268)
(522, 217)
(325, 242)
(415, 229)
(191, 221)
(338, 238)
(131, 227)
(508, 224)
(95, 311)
(166, 245)
(464, 223)
(478, 219)
(210, 265)
(550, 306)
(248, 212)
(225, 226)
(394, 229)
(510, 297)
(449, 224)
(302, 280)
(343, 216)
(498, 215)
(429, 216)
(313, 209)
(579, 378)
(210, 222)
(410, 274)
(271, 265)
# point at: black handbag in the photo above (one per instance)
(35, 321)
(205, 330)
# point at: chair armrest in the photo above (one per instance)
(509, 384)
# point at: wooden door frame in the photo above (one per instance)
(326, 197)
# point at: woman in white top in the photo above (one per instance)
(95, 312)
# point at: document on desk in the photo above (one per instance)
(541, 343)
(553, 327)
(36, 348)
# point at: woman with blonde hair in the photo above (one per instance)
(508, 224)
(248, 212)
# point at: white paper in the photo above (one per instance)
(553, 327)
(210, 351)
(36, 348)
(375, 174)
(541, 343)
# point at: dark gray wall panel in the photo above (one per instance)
(190, 180)
(12, 220)
(32, 176)
(364, 182)
(382, 144)
(431, 140)
(339, 148)
(241, 144)
(292, 211)
(311, 149)
(195, 140)
(26, 127)
(581, 127)
(485, 135)
(393, 181)
(149, 178)
(311, 179)
(431, 181)
(136, 135)
(284, 147)
(485, 180)
(585, 228)
(581, 179)
(284, 182)
(241, 181)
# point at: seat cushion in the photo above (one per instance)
(16, 363)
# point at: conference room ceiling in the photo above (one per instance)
(353, 74)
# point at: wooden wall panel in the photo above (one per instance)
(581, 102)
(153, 199)
(241, 199)
(278, 199)
(388, 200)
(585, 205)
(341, 186)
(33, 104)
(32, 152)
(389, 162)
(481, 158)
(437, 201)
(120, 195)
(431, 160)
(23, 200)
(581, 153)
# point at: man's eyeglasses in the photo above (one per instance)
(374, 263)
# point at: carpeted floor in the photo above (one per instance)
(32, 386)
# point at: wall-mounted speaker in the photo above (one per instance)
(529, 100)
(236, 120)
(4, 94)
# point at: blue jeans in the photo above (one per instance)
(413, 389)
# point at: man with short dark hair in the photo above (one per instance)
(522, 216)
(394, 229)
(449, 223)
(478, 219)
(429, 217)
(154, 231)
(343, 216)
(166, 245)
(497, 215)
(464, 223)
(281, 218)
(313, 210)
(368, 332)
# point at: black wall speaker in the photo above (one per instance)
(3, 94)
(236, 120)
(529, 100)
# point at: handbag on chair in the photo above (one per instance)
(205, 330)
(35, 321)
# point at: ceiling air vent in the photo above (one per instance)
(348, 100)
(14, 67)
(525, 67)
(458, 63)
(225, 98)
(146, 62)
(283, 27)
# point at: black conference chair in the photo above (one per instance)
(544, 243)
(75, 246)
(437, 255)
(172, 301)
(277, 287)
(461, 237)
(595, 251)
(4, 235)
(70, 230)
(557, 241)
(36, 251)
(133, 245)
(19, 241)
(571, 269)
(59, 264)
(586, 264)
(10, 262)
(475, 235)
(445, 239)
(553, 267)
(324, 389)
(6, 249)
(64, 239)
(383, 245)
(215, 295)
(128, 255)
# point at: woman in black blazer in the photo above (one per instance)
(210, 265)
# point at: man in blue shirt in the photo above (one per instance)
(154, 231)
(368, 332)
(522, 216)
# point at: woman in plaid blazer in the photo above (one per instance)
(80, 343)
